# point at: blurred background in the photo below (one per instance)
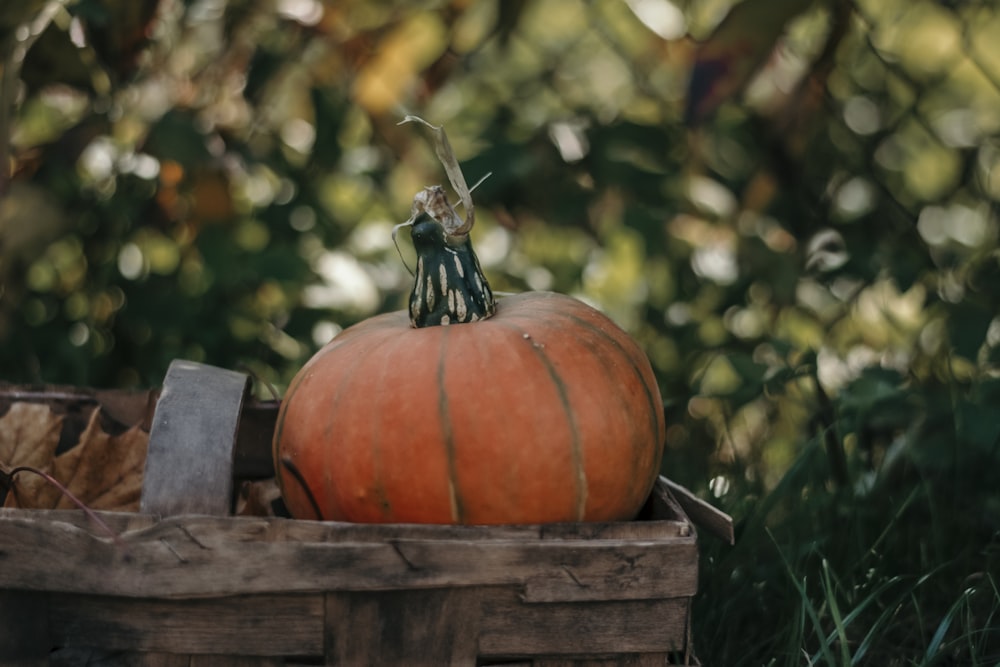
(791, 205)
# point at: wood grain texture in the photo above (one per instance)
(625, 660)
(717, 522)
(195, 556)
(24, 628)
(425, 627)
(189, 463)
(158, 660)
(513, 628)
(434, 627)
(272, 625)
(75, 657)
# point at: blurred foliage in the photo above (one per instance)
(802, 234)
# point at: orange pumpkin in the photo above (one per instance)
(541, 411)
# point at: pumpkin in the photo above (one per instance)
(545, 411)
(535, 408)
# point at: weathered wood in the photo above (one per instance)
(331, 531)
(626, 660)
(75, 657)
(199, 556)
(127, 407)
(269, 625)
(434, 627)
(24, 628)
(190, 459)
(701, 513)
(431, 627)
(159, 660)
(635, 571)
(512, 628)
(234, 661)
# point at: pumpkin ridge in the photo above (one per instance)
(293, 387)
(457, 504)
(628, 354)
(586, 324)
(279, 427)
(328, 456)
(610, 361)
(292, 469)
(300, 379)
(378, 481)
(655, 407)
(577, 448)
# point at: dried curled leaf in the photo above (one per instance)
(29, 436)
(102, 470)
(258, 498)
(432, 199)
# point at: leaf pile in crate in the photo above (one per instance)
(258, 498)
(99, 460)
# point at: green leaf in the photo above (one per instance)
(876, 385)
(176, 137)
(977, 425)
(967, 326)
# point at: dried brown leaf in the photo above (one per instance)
(104, 471)
(29, 435)
(257, 498)
(432, 199)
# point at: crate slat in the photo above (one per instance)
(385, 628)
(196, 556)
(265, 625)
(24, 628)
(448, 626)
(514, 628)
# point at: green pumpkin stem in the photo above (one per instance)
(450, 287)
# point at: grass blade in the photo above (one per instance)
(806, 602)
(942, 629)
(838, 621)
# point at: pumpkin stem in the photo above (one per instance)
(449, 287)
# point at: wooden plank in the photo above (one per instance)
(513, 628)
(332, 531)
(431, 627)
(24, 628)
(266, 625)
(629, 572)
(625, 660)
(717, 522)
(158, 660)
(127, 407)
(190, 458)
(195, 556)
(234, 661)
(102, 658)
(99, 657)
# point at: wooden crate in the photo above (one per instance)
(185, 583)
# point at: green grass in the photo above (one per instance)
(906, 573)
